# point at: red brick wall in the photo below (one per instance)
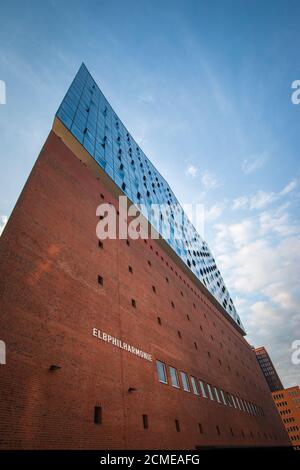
(51, 301)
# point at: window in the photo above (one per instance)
(217, 395)
(97, 415)
(174, 377)
(127, 242)
(200, 428)
(100, 244)
(223, 397)
(185, 383)
(179, 334)
(159, 320)
(100, 280)
(218, 430)
(161, 371)
(194, 386)
(210, 393)
(177, 425)
(154, 289)
(145, 421)
(130, 269)
(202, 388)
(133, 303)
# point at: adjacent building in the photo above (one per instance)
(288, 406)
(117, 343)
(268, 369)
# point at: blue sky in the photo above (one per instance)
(205, 88)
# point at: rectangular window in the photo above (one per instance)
(100, 280)
(194, 386)
(145, 421)
(161, 371)
(185, 383)
(200, 428)
(233, 401)
(210, 393)
(177, 425)
(97, 415)
(174, 377)
(202, 388)
(217, 395)
(238, 403)
(223, 397)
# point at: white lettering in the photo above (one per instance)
(120, 344)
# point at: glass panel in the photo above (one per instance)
(185, 383)
(174, 377)
(161, 370)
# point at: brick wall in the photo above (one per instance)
(50, 303)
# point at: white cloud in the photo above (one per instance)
(253, 163)
(191, 171)
(147, 98)
(214, 212)
(209, 180)
(289, 187)
(262, 199)
(240, 202)
(259, 258)
(3, 221)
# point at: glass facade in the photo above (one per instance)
(86, 113)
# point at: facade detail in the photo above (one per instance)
(116, 344)
(86, 113)
(268, 369)
(287, 402)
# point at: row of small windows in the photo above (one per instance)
(292, 429)
(281, 403)
(285, 412)
(288, 420)
(145, 424)
(200, 388)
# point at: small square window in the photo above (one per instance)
(177, 425)
(100, 244)
(130, 269)
(100, 280)
(133, 303)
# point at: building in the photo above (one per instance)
(117, 343)
(268, 369)
(288, 406)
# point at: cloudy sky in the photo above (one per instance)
(205, 87)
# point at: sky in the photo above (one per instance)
(205, 89)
